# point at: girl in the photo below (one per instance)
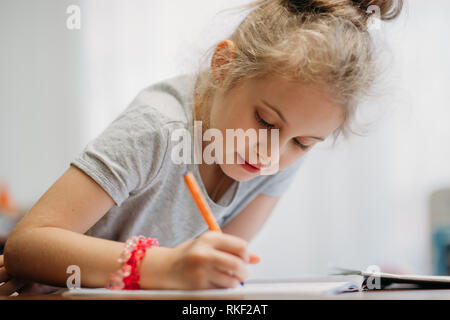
(296, 66)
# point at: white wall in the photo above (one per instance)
(366, 201)
(129, 45)
(40, 95)
(362, 202)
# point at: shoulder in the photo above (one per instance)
(156, 110)
(170, 99)
(129, 154)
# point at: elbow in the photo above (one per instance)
(11, 255)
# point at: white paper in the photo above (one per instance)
(263, 289)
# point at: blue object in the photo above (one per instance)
(441, 248)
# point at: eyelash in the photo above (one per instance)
(270, 126)
(261, 121)
(301, 145)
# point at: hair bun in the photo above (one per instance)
(389, 9)
(357, 11)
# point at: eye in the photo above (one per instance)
(301, 145)
(262, 121)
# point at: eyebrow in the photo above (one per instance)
(284, 119)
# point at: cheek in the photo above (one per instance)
(289, 158)
(215, 118)
(236, 120)
(226, 117)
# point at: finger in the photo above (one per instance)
(223, 280)
(27, 288)
(2, 261)
(231, 244)
(226, 262)
(11, 286)
(34, 288)
(254, 259)
(4, 276)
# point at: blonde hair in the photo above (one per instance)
(319, 41)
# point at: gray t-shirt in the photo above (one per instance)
(131, 161)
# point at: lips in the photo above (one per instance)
(247, 166)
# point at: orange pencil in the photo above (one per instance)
(202, 205)
(200, 200)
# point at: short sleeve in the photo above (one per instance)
(278, 183)
(127, 154)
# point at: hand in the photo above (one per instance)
(10, 285)
(213, 260)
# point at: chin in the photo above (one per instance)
(237, 173)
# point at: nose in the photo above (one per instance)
(264, 159)
(271, 150)
(267, 155)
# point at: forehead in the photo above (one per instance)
(310, 106)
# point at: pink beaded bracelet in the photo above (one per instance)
(127, 277)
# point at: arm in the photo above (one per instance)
(250, 220)
(50, 236)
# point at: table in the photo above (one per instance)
(392, 294)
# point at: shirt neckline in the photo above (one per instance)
(195, 169)
(214, 205)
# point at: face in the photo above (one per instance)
(303, 114)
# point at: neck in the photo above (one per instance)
(202, 113)
(214, 179)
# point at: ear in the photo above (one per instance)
(224, 53)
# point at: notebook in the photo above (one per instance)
(351, 281)
(381, 280)
(261, 289)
